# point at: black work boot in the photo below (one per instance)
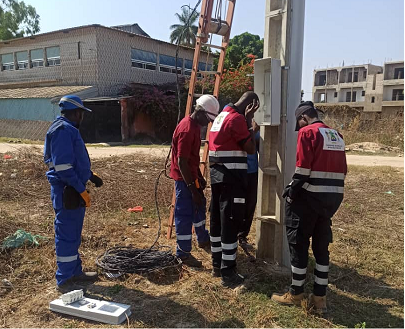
(233, 280)
(69, 286)
(85, 276)
(191, 261)
(216, 272)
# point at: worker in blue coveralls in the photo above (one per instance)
(68, 172)
(185, 170)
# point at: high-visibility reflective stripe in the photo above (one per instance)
(298, 270)
(63, 167)
(323, 282)
(236, 165)
(66, 259)
(199, 223)
(216, 249)
(297, 283)
(215, 238)
(184, 237)
(227, 154)
(327, 175)
(323, 188)
(228, 257)
(302, 171)
(229, 246)
(239, 200)
(322, 268)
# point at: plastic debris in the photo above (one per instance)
(6, 284)
(14, 175)
(389, 193)
(145, 225)
(135, 209)
(6, 157)
(18, 239)
(141, 171)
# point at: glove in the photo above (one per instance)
(86, 197)
(286, 192)
(96, 180)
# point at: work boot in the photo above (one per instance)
(233, 280)
(288, 299)
(318, 303)
(85, 276)
(216, 272)
(69, 286)
(206, 245)
(191, 261)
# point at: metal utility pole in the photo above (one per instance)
(283, 40)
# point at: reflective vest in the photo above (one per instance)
(320, 167)
(228, 132)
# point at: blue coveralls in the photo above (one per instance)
(69, 165)
(185, 215)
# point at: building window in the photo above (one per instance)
(53, 56)
(168, 64)
(188, 67)
(322, 79)
(335, 94)
(7, 62)
(364, 74)
(398, 95)
(372, 99)
(348, 96)
(22, 60)
(37, 58)
(143, 59)
(356, 77)
(322, 98)
(349, 78)
(399, 73)
(354, 96)
(363, 93)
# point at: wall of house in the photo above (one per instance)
(387, 92)
(77, 67)
(389, 70)
(34, 109)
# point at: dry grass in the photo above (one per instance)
(366, 272)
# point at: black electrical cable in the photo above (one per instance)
(123, 259)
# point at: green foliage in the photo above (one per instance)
(360, 325)
(186, 30)
(234, 83)
(17, 19)
(240, 46)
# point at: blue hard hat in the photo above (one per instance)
(71, 102)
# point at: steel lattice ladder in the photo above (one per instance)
(207, 25)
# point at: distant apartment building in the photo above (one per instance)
(367, 87)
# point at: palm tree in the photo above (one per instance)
(186, 30)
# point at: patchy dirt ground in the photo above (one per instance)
(366, 278)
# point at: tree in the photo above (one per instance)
(17, 19)
(187, 30)
(240, 46)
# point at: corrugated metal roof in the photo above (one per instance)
(41, 92)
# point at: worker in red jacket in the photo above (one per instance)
(231, 138)
(185, 170)
(312, 198)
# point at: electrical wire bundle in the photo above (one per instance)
(130, 260)
(119, 260)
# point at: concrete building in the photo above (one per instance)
(367, 87)
(94, 60)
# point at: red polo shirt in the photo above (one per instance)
(186, 143)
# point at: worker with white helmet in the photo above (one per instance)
(185, 170)
(68, 172)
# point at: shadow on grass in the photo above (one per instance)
(352, 298)
(158, 311)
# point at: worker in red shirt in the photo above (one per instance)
(231, 138)
(185, 170)
(312, 198)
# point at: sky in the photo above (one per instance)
(353, 31)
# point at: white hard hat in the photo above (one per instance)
(210, 105)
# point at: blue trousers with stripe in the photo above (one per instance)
(186, 213)
(68, 230)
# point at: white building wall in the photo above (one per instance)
(387, 91)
